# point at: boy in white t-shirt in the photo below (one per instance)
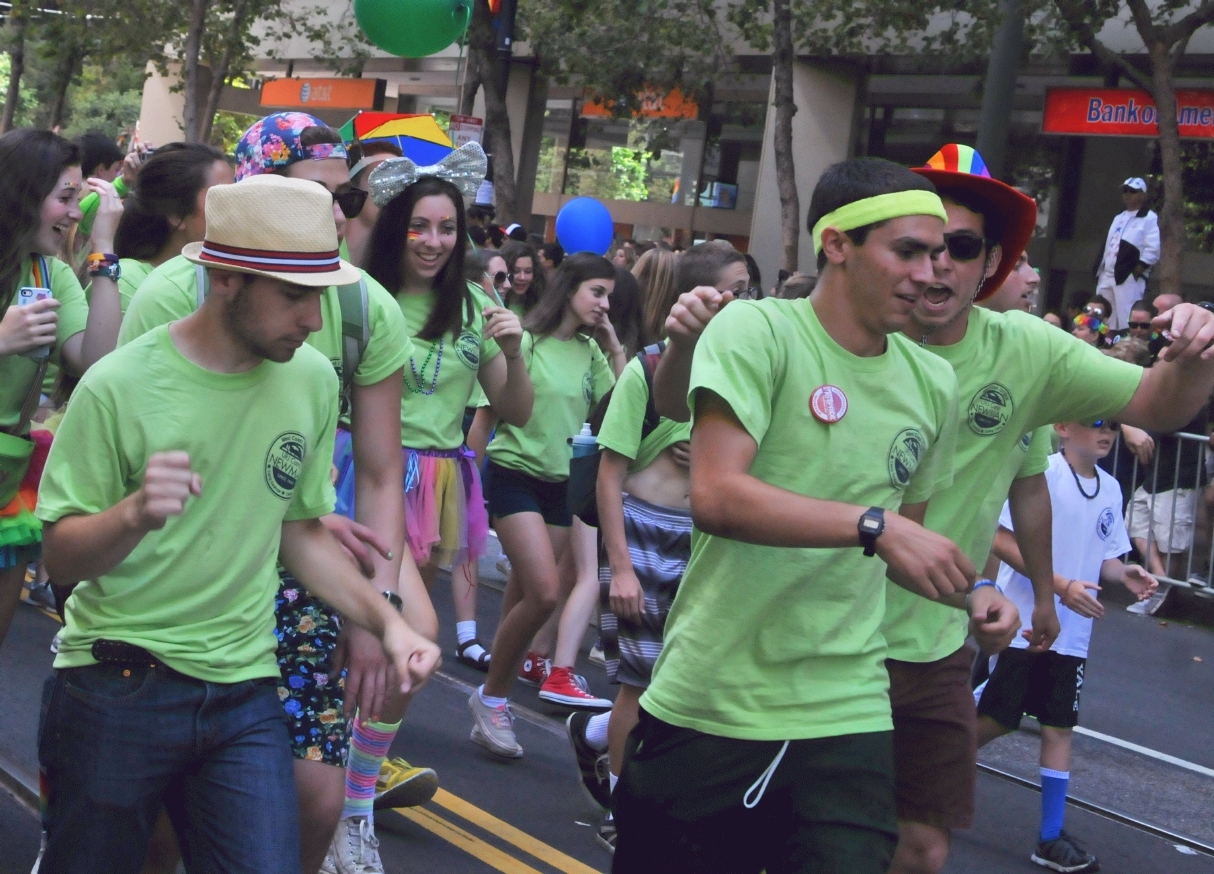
(1089, 538)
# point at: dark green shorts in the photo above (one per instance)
(694, 802)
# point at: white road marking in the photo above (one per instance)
(1154, 754)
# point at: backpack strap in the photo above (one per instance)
(649, 357)
(355, 328)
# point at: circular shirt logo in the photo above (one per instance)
(468, 350)
(1026, 440)
(284, 462)
(1105, 523)
(588, 387)
(904, 456)
(828, 404)
(990, 410)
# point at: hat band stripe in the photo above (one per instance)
(262, 259)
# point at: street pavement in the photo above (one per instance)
(1150, 681)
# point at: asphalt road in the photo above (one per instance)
(1150, 682)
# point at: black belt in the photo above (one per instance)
(119, 652)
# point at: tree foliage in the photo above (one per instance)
(620, 49)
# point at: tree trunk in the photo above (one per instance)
(219, 72)
(483, 43)
(786, 173)
(472, 83)
(65, 71)
(190, 53)
(1171, 214)
(16, 68)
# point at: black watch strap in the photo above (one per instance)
(871, 524)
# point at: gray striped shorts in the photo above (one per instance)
(659, 543)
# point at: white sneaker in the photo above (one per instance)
(494, 728)
(355, 849)
(1151, 605)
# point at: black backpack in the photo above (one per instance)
(584, 470)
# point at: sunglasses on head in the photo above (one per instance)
(964, 245)
(1103, 423)
(1094, 310)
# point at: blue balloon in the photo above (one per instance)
(584, 225)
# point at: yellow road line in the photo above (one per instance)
(511, 835)
(469, 843)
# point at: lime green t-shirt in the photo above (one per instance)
(1017, 373)
(199, 593)
(625, 419)
(569, 377)
(134, 272)
(170, 292)
(441, 376)
(16, 371)
(770, 643)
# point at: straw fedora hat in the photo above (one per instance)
(273, 226)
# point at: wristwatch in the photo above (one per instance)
(871, 524)
(395, 600)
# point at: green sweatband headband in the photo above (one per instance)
(881, 208)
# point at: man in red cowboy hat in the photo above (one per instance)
(1016, 374)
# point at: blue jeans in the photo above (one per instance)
(120, 743)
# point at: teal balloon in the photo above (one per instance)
(413, 28)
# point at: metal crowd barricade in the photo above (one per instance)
(1186, 567)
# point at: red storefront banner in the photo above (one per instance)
(1123, 112)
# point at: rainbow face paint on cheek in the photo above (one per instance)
(414, 235)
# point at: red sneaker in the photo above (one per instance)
(562, 687)
(535, 669)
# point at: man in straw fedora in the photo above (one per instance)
(369, 521)
(210, 436)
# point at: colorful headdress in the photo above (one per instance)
(275, 141)
(1011, 217)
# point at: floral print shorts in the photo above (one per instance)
(310, 693)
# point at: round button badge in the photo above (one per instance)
(828, 404)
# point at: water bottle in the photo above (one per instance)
(584, 443)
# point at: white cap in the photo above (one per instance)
(1135, 182)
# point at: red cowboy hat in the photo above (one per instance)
(1009, 220)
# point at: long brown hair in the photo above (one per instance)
(545, 317)
(31, 162)
(655, 272)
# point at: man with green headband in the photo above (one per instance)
(1016, 373)
(819, 435)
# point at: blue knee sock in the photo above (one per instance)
(1053, 802)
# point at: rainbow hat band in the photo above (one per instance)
(1011, 216)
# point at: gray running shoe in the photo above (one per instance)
(494, 728)
(1065, 854)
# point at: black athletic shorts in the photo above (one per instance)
(511, 491)
(1044, 685)
(694, 802)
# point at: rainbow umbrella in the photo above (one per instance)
(418, 136)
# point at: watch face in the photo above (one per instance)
(870, 524)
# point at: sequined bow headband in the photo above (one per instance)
(465, 168)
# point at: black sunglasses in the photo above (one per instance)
(499, 278)
(351, 201)
(964, 245)
(1102, 423)
(1141, 326)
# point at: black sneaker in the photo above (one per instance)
(606, 834)
(592, 765)
(1065, 854)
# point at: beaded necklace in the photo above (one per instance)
(1079, 484)
(418, 377)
